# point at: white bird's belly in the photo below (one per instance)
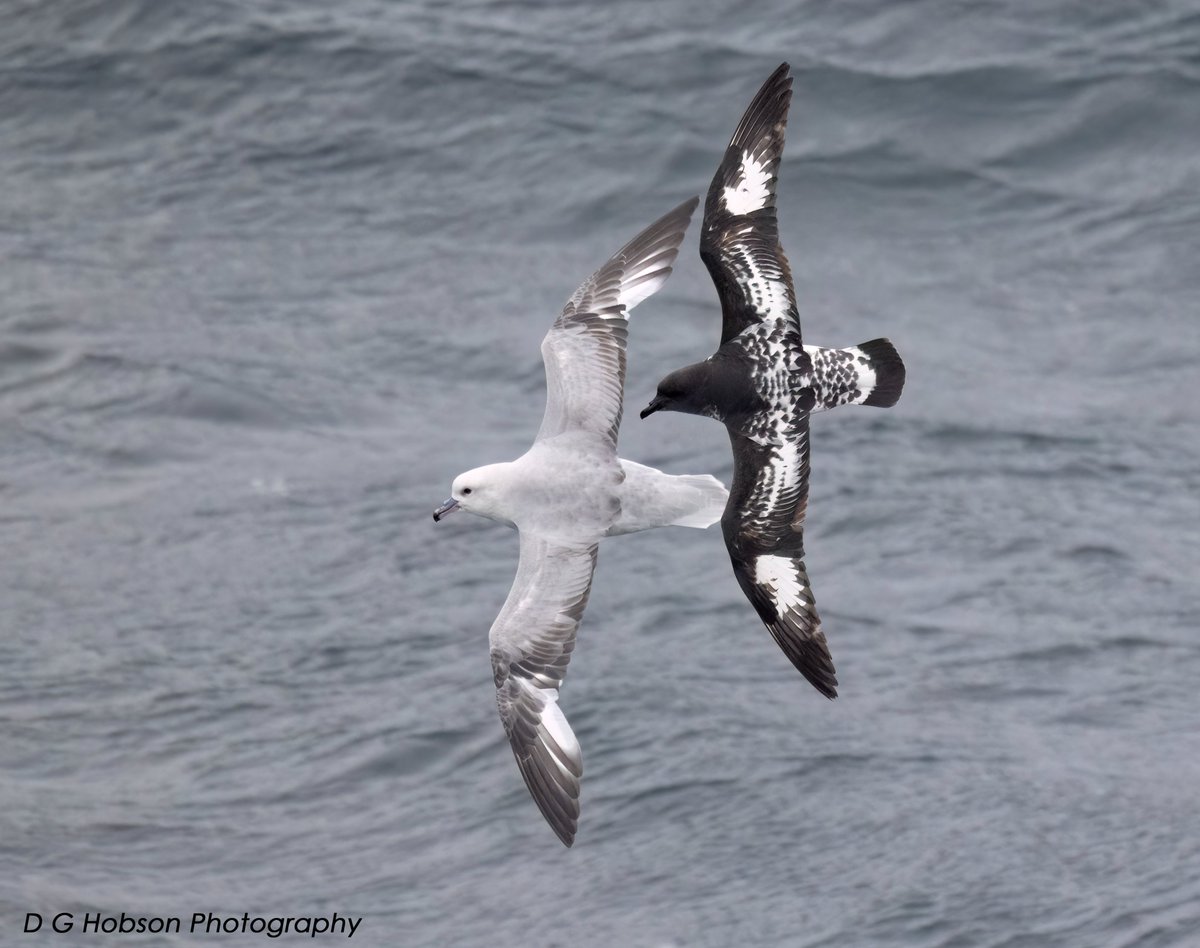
(568, 485)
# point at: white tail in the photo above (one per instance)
(650, 498)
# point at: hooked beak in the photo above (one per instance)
(445, 510)
(656, 403)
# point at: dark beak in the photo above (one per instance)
(656, 403)
(445, 510)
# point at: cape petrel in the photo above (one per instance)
(763, 383)
(563, 495)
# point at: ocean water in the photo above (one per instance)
(272, 273)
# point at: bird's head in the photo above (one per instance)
(684, 390)
(482, 491)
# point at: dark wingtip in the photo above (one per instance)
(557, 801)
(662, 238)
(677, 218)
(809, 656)
(768, 109)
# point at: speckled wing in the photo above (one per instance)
(584, 351)
(764, 532)
(739, 242)
(531, 643)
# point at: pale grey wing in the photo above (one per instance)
(531, 644)
(764, 532)
(584, 351)
(739, 237)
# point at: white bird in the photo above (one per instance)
(563, 495)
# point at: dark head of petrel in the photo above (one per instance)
(684, 390)
(710, 388)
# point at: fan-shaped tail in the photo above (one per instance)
(871, 373)
(650, 498)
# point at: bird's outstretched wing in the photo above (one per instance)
(584, 350)
(531, 643)
(764, 532)
(739, 240)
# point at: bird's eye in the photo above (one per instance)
(466, 490)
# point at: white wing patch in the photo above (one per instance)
(753, 189)
(555, 724)
(779, 573)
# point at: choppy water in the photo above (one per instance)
(273, 273)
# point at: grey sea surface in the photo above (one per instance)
(271, 274)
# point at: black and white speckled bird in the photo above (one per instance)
(763, 383)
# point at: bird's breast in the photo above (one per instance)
(569, 487)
